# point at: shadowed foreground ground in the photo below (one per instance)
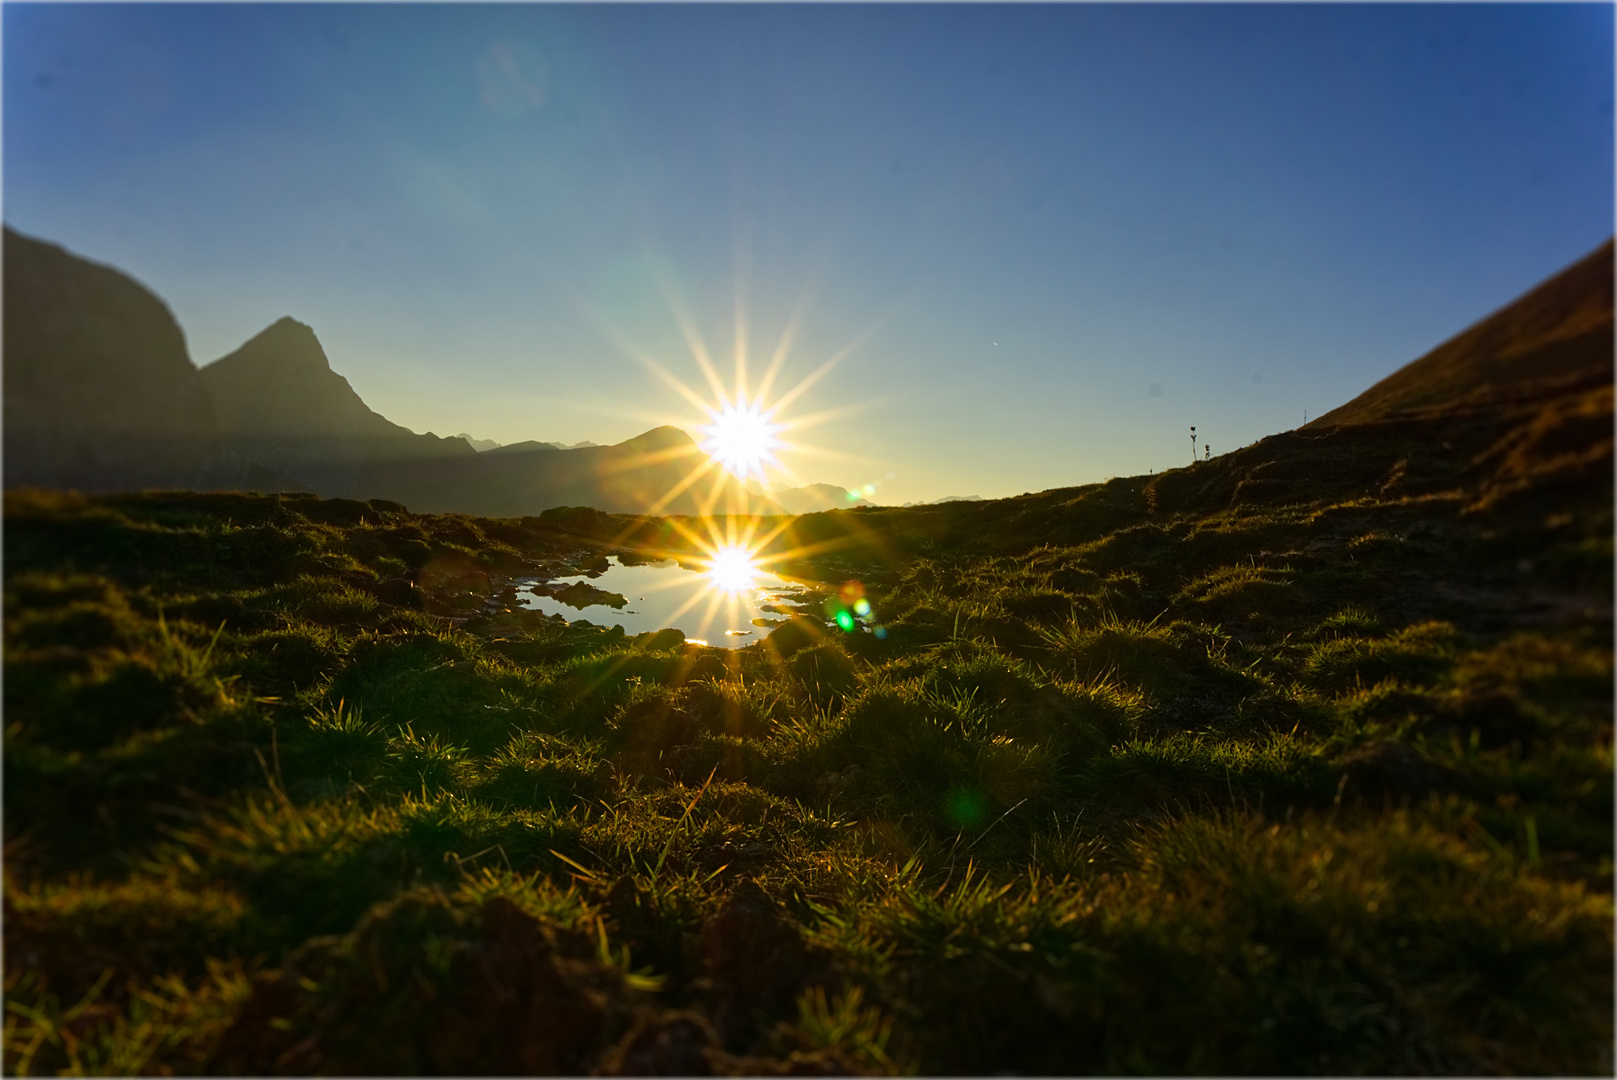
(1149, 776)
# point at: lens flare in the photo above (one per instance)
(742, 437)
(732, 569)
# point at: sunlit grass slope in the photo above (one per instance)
(1141, 777)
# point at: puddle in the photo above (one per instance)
(664, 595)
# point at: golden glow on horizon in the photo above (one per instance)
(742, 437)
(747, 428)
(745, 434)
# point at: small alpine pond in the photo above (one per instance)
(666, 594)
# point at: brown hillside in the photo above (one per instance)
(1508, 426)
(1555, 339)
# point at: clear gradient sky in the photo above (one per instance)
(1058, 234)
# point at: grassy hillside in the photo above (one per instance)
(1263, 765)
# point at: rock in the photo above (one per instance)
(799, 633)
(662, 640)
(581, 594)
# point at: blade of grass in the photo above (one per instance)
(674, 833)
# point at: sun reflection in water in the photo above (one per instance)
(732, 569)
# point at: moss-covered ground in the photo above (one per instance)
(1126, 783)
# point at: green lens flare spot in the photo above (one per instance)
(965, 808)
(845, 620)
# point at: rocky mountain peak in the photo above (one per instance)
(286, 344)
(663, 438)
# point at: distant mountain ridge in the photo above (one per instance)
(948, 499)
(812, 498)
(650, 472)
(101, 395)
(534, 444)
(484, 446)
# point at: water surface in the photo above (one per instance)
(665, 594)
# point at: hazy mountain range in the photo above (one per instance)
(478, 444)
(947, 499)
(811, 498)
(485, 445)
(100, 395)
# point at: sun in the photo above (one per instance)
(732, 568)
(741, 437)
(748, 431)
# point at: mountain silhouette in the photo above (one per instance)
(1506, 427)
(663, 468)
(280, 406)
(100, 393)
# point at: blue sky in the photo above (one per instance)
(1055, 235)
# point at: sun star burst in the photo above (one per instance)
(733, 568)
(742, 438)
